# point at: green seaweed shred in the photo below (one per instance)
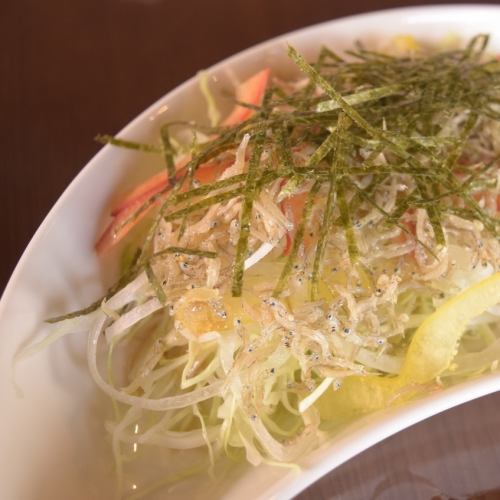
(346, 221)
(335, 166)
(169, 154)
(122, 143)
(391, 108)
(297, 240)
(249, 193)
(155, 283)
(185, 251)
(360, 97)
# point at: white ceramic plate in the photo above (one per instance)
(51, 440)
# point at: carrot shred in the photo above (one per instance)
(250, 91)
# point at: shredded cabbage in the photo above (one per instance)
(403, 298)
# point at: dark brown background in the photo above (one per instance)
(72, 68)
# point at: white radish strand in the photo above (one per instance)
(163, 404)
(279, 451)
(128, 293)
(314, 396)
(132, 317)
(258, 255)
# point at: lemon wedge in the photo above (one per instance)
(431, 351)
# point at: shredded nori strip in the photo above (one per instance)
(169, 154)
(187, 251)
(155, 283)
(297, 241)
(396, 108)
(123, 143)
(335, 166)
(246, 213)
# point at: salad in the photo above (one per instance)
(329, 248)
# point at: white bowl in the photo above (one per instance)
(51, 439)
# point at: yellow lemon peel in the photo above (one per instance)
(431, 352)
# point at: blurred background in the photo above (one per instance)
(72, 69)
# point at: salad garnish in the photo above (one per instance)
(331, 247)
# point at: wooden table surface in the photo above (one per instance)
(71, 69)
